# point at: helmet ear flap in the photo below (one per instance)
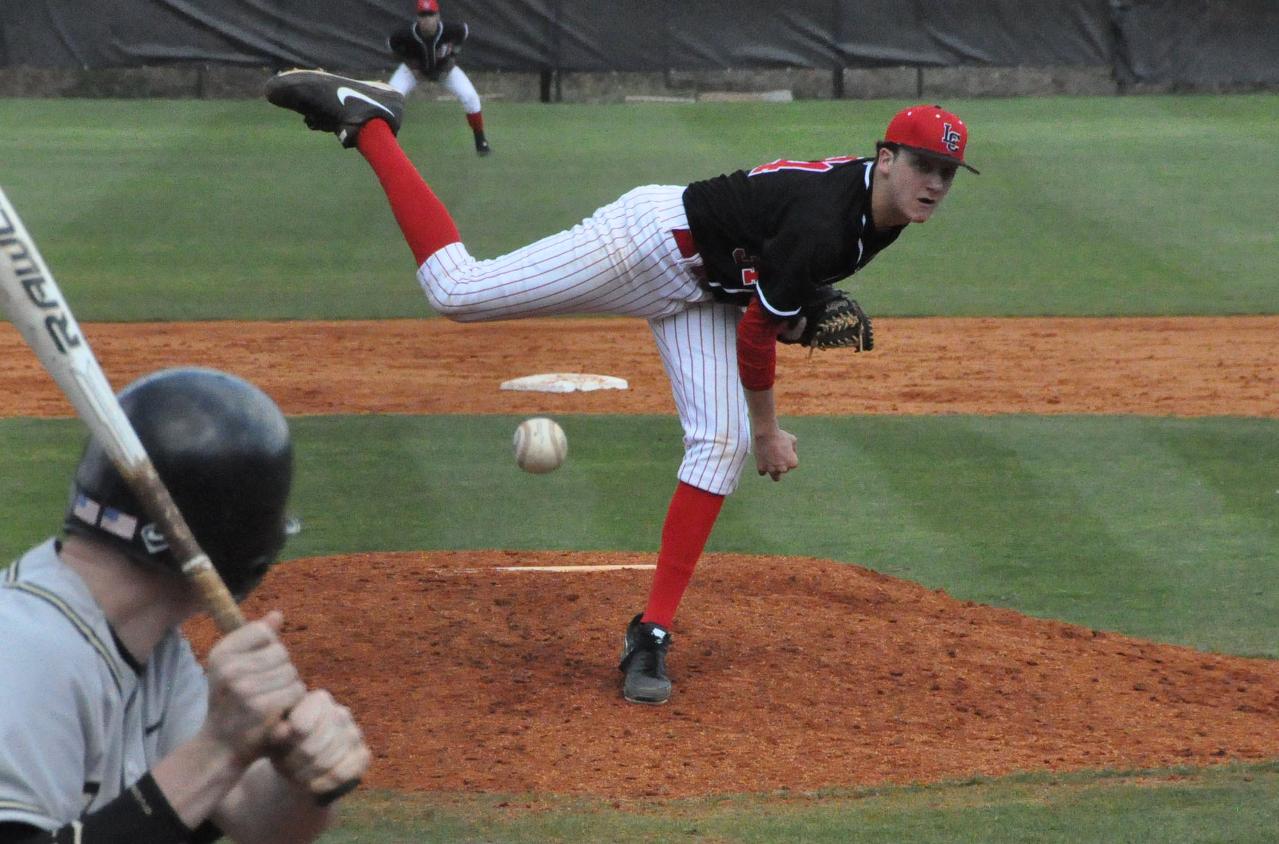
(223, 449)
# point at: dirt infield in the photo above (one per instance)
(791, 674)
(1189, 366)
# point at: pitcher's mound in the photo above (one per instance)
(790, 673)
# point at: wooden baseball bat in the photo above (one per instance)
(33, 302)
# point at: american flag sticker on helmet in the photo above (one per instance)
(86, 509)
(121, 524)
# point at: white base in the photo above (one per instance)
(565, 382)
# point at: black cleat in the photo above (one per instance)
(644, 663)
(482, 145)
(332, 103)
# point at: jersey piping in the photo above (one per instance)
(81, 626)
(774, 311)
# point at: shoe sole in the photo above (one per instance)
(278, 87)
(644, 702)
(297, 72)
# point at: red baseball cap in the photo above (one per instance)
(932, 131)
(425, 7)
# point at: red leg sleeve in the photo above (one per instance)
(425, 222)
(689, 520)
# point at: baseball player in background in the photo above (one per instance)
(428, 47)
(722, 269)
(109, 730)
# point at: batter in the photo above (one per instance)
(110, 732)
(722, 269)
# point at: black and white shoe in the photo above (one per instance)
(332, 103)
(482, 145)
(644, 662)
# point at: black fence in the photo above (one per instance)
(1188, 43)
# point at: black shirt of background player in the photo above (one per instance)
(785, 229)
(430, 57)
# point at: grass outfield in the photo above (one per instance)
(1159, 528)
(1229, 804)
(1162, 528)
(229, 209)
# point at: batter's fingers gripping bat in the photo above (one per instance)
(30, 297)
(34, 304)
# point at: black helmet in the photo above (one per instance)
(222, 447)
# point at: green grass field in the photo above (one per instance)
(208, 210)
(1158, 527)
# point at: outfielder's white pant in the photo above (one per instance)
(623, 260)
(458, 84)
(403, 80)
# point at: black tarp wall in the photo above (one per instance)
(1180, 42)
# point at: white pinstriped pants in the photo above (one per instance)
(622, 260)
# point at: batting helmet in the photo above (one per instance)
(428, 7)
(222, 447)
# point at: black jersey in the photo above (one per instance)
(431, 57)
(785, 229)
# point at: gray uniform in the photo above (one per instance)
(79, 723)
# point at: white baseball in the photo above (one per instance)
(540, 445)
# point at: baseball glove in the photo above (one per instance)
(832, 321)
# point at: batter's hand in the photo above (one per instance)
(776, 453)
(319, 746)
(252, 683)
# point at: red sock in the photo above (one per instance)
(477, 122)
(688, 525)
(423, 219)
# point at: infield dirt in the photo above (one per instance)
(1185, 366)
(792, 674)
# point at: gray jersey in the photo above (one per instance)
(79, 723)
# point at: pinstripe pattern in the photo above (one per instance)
(699, 350)
(622, 260)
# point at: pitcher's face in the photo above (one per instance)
(916, 185)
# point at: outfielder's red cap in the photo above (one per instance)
(428, 7)
(932, 131)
